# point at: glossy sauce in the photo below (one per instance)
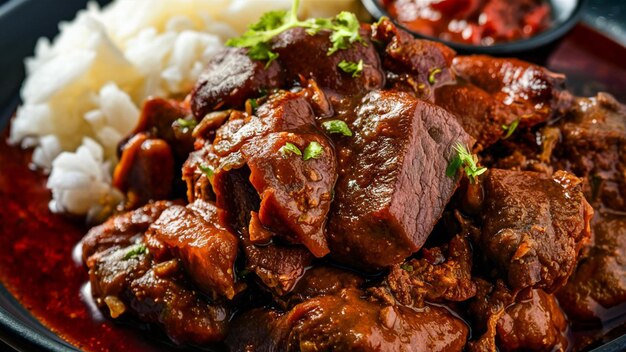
(37, 265)
(475, 22)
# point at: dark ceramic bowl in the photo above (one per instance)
(565, 14)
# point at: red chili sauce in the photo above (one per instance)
(36, 263)
(475, 22)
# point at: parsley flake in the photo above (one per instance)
(207, 170)
(313, 151)
(337, 126)
(467, 162)
(289, 148)
(407, 267)
(184, 123)
(431, 76)
(135, 251)
(510, 128)
(355, 68)
(344, 32)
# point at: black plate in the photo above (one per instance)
(21, 23)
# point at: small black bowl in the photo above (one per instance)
(565, 14)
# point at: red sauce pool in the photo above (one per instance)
(36, 263)
(475, 22)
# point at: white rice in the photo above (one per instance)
(84, 91)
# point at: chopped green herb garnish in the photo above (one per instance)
(467, 162)
(431, 76)
(345, 31)
(313, 151)
(191, 124)
(344, 27)
(510, 128)
(288, 149)
(254, 104)
(135, 251)
(355, 68)
(407, 267)
(337, 126)
(207, 170)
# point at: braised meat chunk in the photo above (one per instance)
(348, 322)
(150, 159)
(534, 226)
(122, 230)
(530, 92)
(229, 79)
(321, 281)
(528, 321)
(126, 280)
(392, 184)
(278, 267)
(492, 96)
(599, 282)
(324, 69)
(476, 111)
(594, 146)
(195, 235)
(413, 65)
(442, 274)
(291, 166)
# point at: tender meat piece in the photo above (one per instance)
(126, 281)
(347, 322)
(594, 146)
(150, 158)
(531, 92)
(123, 229)
(534, 323)
(278, 267)
(145, 171)
(295, 194)
(414, 65)
(324, 69)
(160, 118)
(442, 274)
(534, 226)
(258, 330)
(599, 282)
(230, 78)
(196, 236)
(321, 281)
(529, 321)
(477, 111)
(282, 112)
(392, 185)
